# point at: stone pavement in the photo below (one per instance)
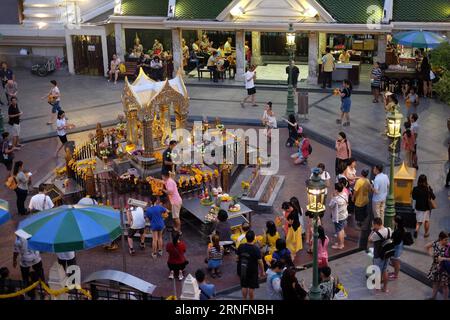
(88, 100)
(351, 272)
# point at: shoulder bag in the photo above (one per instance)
(431, 202)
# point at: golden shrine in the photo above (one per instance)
(404, 177)
(148, 106)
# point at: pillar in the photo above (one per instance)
(190, 289)
(180, 118)
(240, 55)
(57, 280)
(313, 55)
(119, 35)
(147, 134)
(177, 50)
(90, 183)
(256, 48)
(322, 44)
(105, 53)
(164, 116)
(69, 51)
(132, 133)
(381, 48)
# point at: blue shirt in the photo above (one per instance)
(207, 291)
(155, 215)
(381, 186)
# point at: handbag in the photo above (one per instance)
(431, 202)
(432, 75)
(11, 183)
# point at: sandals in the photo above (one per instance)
(142, 245)
(309, 251)
(426, 235)
(132, 251)
(337, 247)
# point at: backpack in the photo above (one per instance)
(445, 265)
(387, 249)
(244, 260)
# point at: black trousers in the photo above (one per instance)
(67, 263)
(215, 73)
(21, 197)
(327, 78)
(29, 277)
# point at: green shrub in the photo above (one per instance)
(440, 56)
(442, 87)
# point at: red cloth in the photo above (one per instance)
(305, 148)
(176, 253)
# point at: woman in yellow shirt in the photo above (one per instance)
(344, 57)
(270, 238)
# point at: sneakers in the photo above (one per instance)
(180, 275)
(171, 276)
(346, 124)
(160, 253)
(338, 121)
(154, 255)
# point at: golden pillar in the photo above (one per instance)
(164, 116)
(132, 127)
(225, 171)
(147, 133)
(68, 157)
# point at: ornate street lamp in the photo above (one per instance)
(315, 189)
(394, 122)
(291, 48)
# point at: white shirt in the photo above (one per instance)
(55, 92)
(115, 64)
(66, 255)
(86, 201)
(28, 257)
(325, 176)
(249, 82)
(40, 202)
(138, 218)
(272, 121)
(61, 123)
(381, 186)
(338, 205)
(415, 127)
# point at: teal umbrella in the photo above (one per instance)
(71, 228)
(4, 211)
(418, 39)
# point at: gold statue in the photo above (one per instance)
(138, 48)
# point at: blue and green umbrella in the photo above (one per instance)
(4, 211)
(418, 39)
(72, 228)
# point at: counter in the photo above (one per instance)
(350, 71)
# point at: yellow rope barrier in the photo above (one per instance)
(46, 288)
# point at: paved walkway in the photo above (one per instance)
(351, 272)
(88, 100)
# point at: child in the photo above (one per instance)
(215, 256)
(412, 100)
(339, 215)
(301, 156)
(322, 248)
(346, 103)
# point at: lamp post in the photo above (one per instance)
(316, 205)
(394, 120)
(290, 47)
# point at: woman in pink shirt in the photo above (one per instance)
(408, 144)
(175, 200)
(322, 248)
(343, 152)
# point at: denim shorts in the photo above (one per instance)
(340, 225)
(398, 251)
(381, 263)
(55, 106)
(214, 263)
(346, 104)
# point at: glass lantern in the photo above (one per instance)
(290, 37)
(394, 124)
(316, 189)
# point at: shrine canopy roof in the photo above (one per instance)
(145, 89)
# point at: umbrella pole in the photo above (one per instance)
(122, 225)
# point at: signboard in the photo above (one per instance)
(91, 48)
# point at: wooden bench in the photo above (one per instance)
(203, 70)
(130, 69)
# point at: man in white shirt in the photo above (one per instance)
(29, 259)
(40, 201)
(250, 77)
(378, 236)
(87, 201)
(380, 189)
(136, 223)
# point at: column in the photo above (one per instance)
(313, 54)
(256, 48)
(119, 35)
(322, 43)
(147, 134)
(105, 53)
(381, 49)
(177, 50)
(240, 55)
(69, 49)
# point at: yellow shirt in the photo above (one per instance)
(362, 189)
(270, 241)
(328, 62)
(345, 58)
